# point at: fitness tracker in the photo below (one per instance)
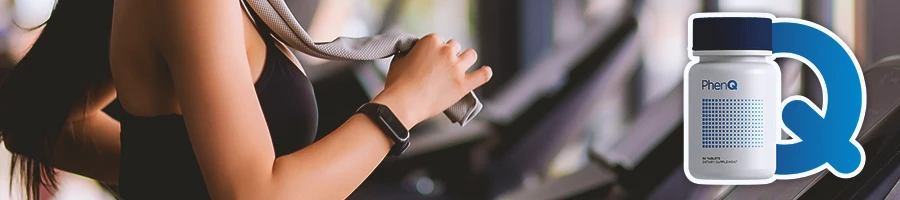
(389, 124)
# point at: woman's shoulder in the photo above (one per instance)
(170, 27)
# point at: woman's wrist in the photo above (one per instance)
(401, 109)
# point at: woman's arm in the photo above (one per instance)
(202, 42)
(89, 143)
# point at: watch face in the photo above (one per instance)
(395, 124)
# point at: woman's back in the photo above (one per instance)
(156, 151)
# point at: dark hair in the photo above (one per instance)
(69, 59)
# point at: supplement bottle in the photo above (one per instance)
(733, 97)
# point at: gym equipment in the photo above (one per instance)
(551, 120)
(611, 174)
(590, 182)
(531, 90)
(275, 14)
(654, 148)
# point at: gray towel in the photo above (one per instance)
(279, 18)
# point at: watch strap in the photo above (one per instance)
(377, 115)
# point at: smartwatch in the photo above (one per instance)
(389, 124)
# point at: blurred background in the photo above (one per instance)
(585, 102)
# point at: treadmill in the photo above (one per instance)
(530, 141)
(608, 176)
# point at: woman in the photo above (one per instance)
(215, 106)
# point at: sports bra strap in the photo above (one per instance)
(261, 26)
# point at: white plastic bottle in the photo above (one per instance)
(733, 92)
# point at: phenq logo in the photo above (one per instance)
(822, 138)
(725, 85)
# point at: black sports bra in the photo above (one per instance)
(157, 160)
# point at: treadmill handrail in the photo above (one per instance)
(547, 75)
(652, 124)
(538, 146)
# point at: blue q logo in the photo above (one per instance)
(732, 85)
(821, 138)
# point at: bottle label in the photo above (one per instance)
(732, 123)
(716, 160)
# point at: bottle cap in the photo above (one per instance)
(732, 33)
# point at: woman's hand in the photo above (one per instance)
(429, 79)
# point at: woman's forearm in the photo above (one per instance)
(341, 161)
(334, 166)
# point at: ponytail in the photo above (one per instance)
(70, 58)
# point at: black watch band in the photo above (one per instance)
(389, 124)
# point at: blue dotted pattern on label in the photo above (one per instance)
(732, 123)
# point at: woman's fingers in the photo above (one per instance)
(467, 59)
(432, 39)
(478, 77)
(454, 46)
